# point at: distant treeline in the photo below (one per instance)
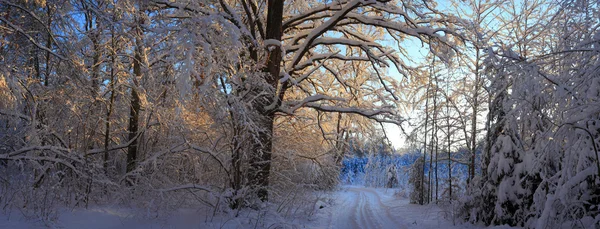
(371, 170)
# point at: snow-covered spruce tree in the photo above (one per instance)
(543, 169)
(507, 188)
(392, 176)
(569, 158)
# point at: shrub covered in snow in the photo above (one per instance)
(417, 188)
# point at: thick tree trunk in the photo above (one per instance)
(260, 160)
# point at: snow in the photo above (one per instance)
(61, 143)
(272, 42)
(362, 207)
(351, 207)
(101, 218)
(322, 29)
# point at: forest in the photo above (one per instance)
(281, 113)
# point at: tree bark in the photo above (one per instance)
(435, 110)
(436, 169)
(448, 136)
(135, 106)
(134, 116)
(49, 45)
(111, 102)
(422, 194)
(262, 144)
(474, 120)
(236, 171)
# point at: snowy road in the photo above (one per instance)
(362, 208)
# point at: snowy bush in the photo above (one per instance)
(415, 180)
(543, 167)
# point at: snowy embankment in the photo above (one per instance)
(350, 207)
(122, 218)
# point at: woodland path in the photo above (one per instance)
(361, 207)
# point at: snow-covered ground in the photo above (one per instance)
(351, 207)
(358, 207)
(361, 207)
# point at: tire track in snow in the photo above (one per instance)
(360, 214)
(342, 216)
(381, 205)
(362, 208)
